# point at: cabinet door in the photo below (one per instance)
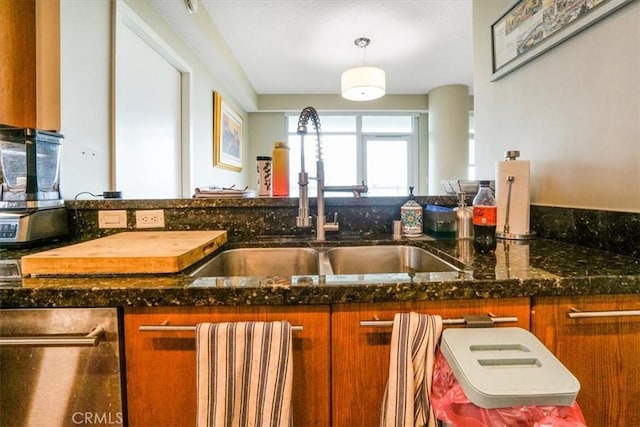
(602, 349)
(18, 56)
(161, 366)
(30, 98)
(360, 355)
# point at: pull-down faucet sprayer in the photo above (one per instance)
(304, 219)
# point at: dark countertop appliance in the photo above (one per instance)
(31, 209)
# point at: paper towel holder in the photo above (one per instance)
(510, 155)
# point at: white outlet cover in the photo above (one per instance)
(112, 219)
(150, 218)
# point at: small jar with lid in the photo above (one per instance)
(411, 217)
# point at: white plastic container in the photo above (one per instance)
(505, 367)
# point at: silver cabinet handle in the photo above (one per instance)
(461, 321)
(178, 328)
(89, 340)
(577, 314)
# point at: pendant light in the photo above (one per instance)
(363, 83)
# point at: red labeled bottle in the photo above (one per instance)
(485, 213)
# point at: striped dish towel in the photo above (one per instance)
(414, 341)
(244, 374)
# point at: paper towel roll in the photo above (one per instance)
(520, 196)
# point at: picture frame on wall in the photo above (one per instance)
(228, 139)
(531, 27)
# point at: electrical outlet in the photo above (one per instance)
(150, 218)
(112, 219)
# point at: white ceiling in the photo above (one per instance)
(303, 46)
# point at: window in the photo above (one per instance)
(374, 149)
(387, 166)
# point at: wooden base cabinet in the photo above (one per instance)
(161, 366)
(601, 347)
(360, 355)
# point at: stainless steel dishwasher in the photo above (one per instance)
(61, 367)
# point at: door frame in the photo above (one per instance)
(123, 15)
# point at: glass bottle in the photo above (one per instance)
(485, 214)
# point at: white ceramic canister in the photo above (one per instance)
(411, 217)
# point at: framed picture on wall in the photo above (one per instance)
(227, 135)
(531, 27)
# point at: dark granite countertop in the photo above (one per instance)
(535, 268)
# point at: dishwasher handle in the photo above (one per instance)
(91, 339)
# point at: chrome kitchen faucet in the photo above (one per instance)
(304, 219)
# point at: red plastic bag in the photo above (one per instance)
(452, 406)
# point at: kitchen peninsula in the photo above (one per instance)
(537, 268)
(540, 267)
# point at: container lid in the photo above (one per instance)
(263, 157)
(504, 367)
(280, 144)
(437, 208)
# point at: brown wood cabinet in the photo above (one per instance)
(30, 58)
(360, 355)
(602, 349)
(18, 58)
(161, 366)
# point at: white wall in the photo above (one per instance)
(448, 135)
(85, 61)
(574, 112)
(264, 130)
(86, 100)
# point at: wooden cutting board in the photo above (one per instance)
(127, 253)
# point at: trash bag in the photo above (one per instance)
(451, 406)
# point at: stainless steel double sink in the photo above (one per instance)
(296, 261)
